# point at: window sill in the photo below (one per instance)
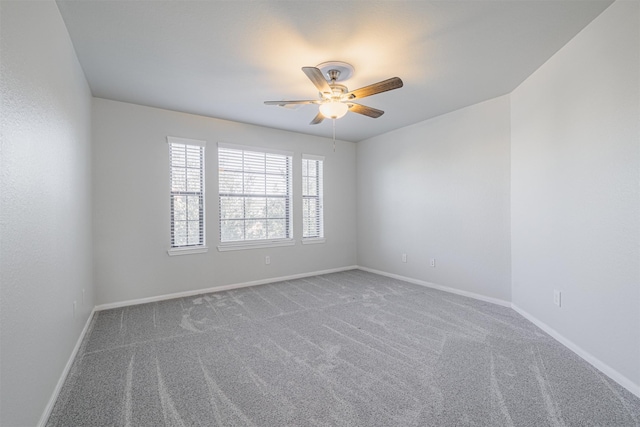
(239, 246)
(313, 241)
(188, 250)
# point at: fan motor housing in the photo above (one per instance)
(338, 91)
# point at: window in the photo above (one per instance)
(312, 217)
(186, 160)
(255, 197)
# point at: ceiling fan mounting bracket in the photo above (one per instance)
(341, 70)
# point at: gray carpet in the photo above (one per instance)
(343, 349)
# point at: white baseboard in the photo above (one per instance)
(439, 287)
(218, 288)
(594, 361)
(56, 391)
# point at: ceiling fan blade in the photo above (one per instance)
(383, 86)
(317, 119)
(317, 78)
(364, 110)
(283, 103)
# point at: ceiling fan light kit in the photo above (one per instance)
(335, 99)
(334, 109)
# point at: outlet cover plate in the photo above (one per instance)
(557, 297)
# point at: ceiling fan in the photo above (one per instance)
(335, 99)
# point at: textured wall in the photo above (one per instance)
(131, 204)
(575, 199)
(440, 189)
(45, 217)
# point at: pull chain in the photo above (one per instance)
(334, 135)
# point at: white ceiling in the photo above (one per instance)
(224, 58)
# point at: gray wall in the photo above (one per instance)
(440, 189)
(575, 199)
(45, 216)
(131, 205)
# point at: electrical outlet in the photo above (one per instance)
(557, 297)
(267, 260)
(433, 262)
(404, 257)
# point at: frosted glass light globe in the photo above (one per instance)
(334, 109)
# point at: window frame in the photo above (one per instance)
(201, 246)
(319, 198)
(257, 243)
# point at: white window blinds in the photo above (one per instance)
(312, 204)
(255, 194)
(187, 192)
